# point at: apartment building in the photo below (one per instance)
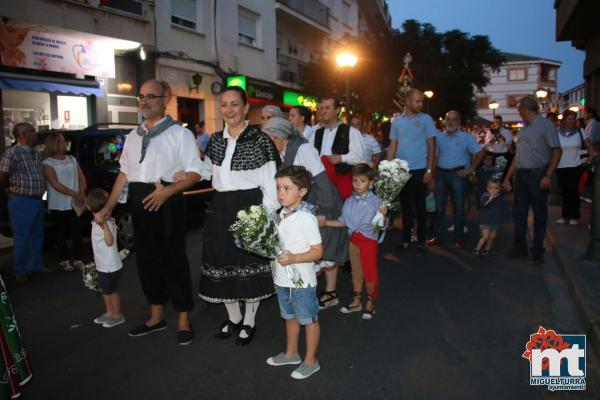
(519, 76)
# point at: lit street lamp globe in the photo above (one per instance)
(428, 94)
(541, 93)
(346, 60)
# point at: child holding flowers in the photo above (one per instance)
(301, 243)
(358, 214)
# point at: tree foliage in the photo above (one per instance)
(451, 64)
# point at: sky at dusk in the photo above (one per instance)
(516, 26)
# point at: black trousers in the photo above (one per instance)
(159, 239)
(412, 201)
(68, 226)
(569, 184)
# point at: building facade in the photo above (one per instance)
(573, 99)
(576, 22)
(519, 76)
(198, 46)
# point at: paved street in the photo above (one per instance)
(447, 326)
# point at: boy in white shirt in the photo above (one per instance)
(107, 259)
(301, 240)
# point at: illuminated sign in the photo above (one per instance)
(238, 80)
(297, 99)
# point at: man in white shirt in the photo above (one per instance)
(373, 152)
(152, 155)
(498, 139)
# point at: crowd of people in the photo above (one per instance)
(317, 173)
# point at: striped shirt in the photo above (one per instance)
(24, 168)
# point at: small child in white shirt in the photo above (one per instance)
(107, 259)
(301, 241)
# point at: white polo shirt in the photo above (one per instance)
(106, 257)
(297, 233)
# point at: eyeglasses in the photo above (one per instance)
(141, 97)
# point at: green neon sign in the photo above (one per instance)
(583, 101)
(297, 99)
(237, 80)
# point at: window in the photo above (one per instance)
(548, 73)
(247, 27)
(72, 112)
(517, 74)
(512, 100)
(183, 13)
(483, 102)
(345, 16)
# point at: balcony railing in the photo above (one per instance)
(138, 8)
(290, 69)
(312, 9)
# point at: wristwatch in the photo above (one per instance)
(428, 171)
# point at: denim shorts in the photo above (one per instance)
(109, 281)
(300, 304)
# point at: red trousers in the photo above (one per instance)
(368, 251)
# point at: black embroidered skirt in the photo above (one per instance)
(229, 274)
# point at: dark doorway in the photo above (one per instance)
(188, 111)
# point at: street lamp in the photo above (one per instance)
(541, 94)
(493, 106)
(429, 95)
(347, 61)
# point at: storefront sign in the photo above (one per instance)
(25, 48)
(238, 80)
(263, 92)
(297, 99)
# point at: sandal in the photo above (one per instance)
(328, 299)
(352, 308)
(368, 314)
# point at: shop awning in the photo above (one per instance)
(45, 86)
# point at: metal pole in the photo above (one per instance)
(593, 252)
(347, 98)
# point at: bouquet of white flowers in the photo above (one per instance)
(256, 231)
(391, 179)
(500, 166)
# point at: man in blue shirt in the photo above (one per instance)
(454, 151)
(202, 137)
(412, 138)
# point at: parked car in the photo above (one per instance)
(98, 149)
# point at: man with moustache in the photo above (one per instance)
(152, 155)
(412, 138)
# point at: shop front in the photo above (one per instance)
(54, 78)
(262, 93)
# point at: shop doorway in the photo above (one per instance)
(190, 111)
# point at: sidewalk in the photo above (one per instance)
(569, 246)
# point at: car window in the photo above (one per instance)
(108, 149)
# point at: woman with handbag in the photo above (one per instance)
(66, 199)
(575, 146)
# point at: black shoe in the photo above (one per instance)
(144, 329)
(185, 337)
(231, 328)
(514, 254)
(538, 259)
(421, 251)
(250, 331)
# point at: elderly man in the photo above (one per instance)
(21, 165)
(152, 155)
(538, 154)
(343, 146)
(412, 138)
(455, 149)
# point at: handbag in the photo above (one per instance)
(584, 155)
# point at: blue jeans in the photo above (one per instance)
(449, 182)
(528, 193)
(300, 304)
(27, 222)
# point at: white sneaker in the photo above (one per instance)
(465, 229)
(101, 319)
(451, 228)
(573, 222)
(113, 321)
(561, 221)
